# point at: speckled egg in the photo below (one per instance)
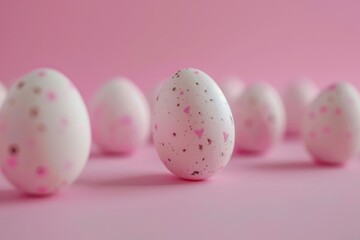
(120, 117)
(299, 94)
(331, 129)
(260, 119)
(45, 133)
(193, 128)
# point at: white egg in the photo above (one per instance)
(331, 129)
(260, 118)
(120, 117)
(193, 127)
(297, 97)
(45, 133)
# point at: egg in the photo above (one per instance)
(193, 128)
(331, 128)
(296, 98)
(260, 119)
(45, 133)
(120, 117)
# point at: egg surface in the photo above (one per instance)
(296, 98)
(331, 129)
(45, 133)
(260, 119)
(120, 117)
(193, 128)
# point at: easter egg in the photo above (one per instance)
(120, 117)
(193, 128)
(296, 99)
(260, 119)
(45, 133)
(331, 128)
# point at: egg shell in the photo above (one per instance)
(193, 129)
(331, 128)
(45, 133)
(296, 98)
(120, 117)
(260, 118)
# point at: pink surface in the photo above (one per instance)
(279, 196)
(91, 41)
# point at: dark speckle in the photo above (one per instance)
(169, 159)
(209, 141)
(205, 90)
(184, 150)
(178, 104)
(174, 134)
(197, 83)
(37, 90)
(20, 85)
(200, 147)
(203, 159)
(211, 99)
(222, 154)
(195, 173)
(13, 149)
(174, 88)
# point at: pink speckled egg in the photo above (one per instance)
(45, 133)
(193, 128)
(296, 98)
(120, 117)
(331, 128)
(260, 119)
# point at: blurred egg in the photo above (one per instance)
(193, 127)
(296, 98)
(120, 117)
(232, 88)
(331, 128)
(260, 118)
(45, 133)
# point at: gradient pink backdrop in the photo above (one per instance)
(147, 41)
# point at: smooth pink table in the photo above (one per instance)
(278, 196)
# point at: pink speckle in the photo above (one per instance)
(51, 96)
(323, 109)
(248, 123)
(199, 132)
(181, 93)
(187, 110)
(226, 136)
(313, 134)
(326, 129)
(126, 120)
(64, 122)
(338, 111)
(331, 87)
(312, 115)
(41, 171)
(12, 162)
(41, 74)
(42, 189)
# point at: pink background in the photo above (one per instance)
(147, 41)
(281, 195)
